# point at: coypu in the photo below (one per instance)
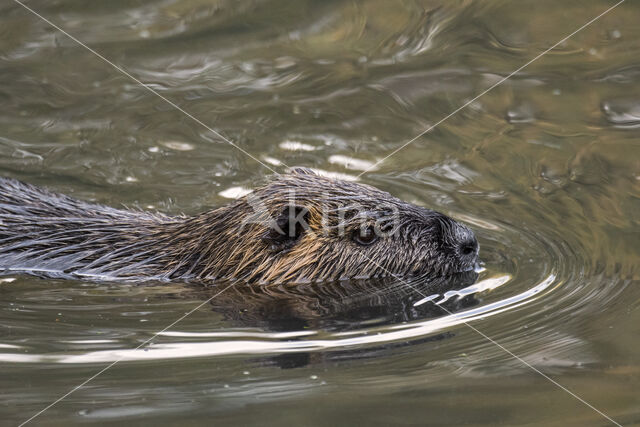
(299, 227)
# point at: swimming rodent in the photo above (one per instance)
(299, 227)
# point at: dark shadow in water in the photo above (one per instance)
(340, 306)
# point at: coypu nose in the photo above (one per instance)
(469, 247)
(466, 245)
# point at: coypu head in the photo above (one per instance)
(304, 227)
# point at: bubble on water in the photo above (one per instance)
(131, 179)
(145, 34)
(522, 113)
(615, 34)
(153, 149)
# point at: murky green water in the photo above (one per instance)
(545, 168)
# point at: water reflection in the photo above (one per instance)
(340, 306)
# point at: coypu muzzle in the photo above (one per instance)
(299, 227)
(461, 242)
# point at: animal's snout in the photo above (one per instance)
(466, 245)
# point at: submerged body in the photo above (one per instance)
(300, 227)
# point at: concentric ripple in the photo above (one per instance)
(524, 272)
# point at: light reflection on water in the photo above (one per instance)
(272, 343)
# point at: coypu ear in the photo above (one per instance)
(299, 170)
(287, 227)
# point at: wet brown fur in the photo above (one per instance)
(54, 235)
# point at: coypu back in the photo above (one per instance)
(298, 227)
(54, 235)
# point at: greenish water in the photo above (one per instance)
(545, 168)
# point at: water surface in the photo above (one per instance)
(545, 168)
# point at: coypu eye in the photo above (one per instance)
(366, 236)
